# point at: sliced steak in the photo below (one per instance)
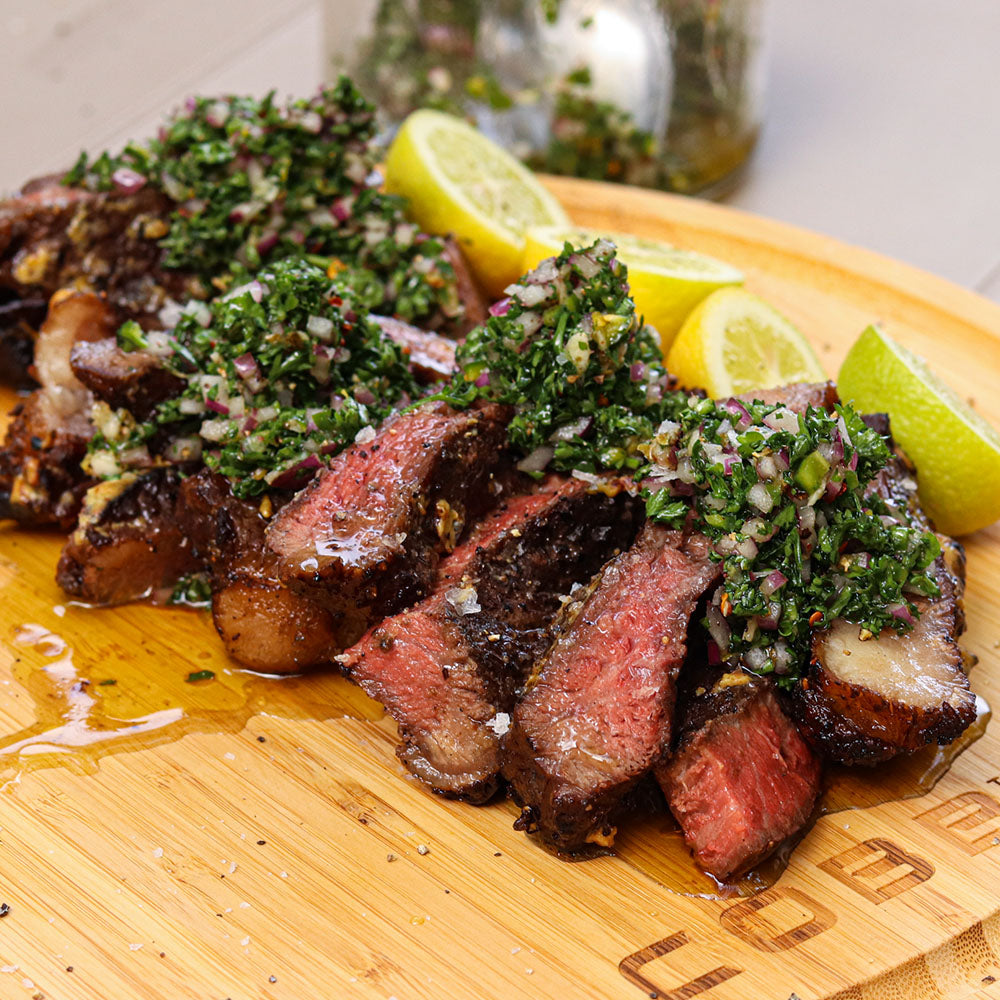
(132, 380)
(130, 541)
(742, 780)
(52, 236)
(797, 396)
(863, 701)
(597, 714)
(431, 356)
(474, 302)
(19, 323)
(367, 533)
(448, 670)
(262, 623)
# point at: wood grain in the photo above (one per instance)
(144, 870)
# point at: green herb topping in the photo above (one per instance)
(251, 181)
(279, 374)
(786, 499)
(567, 350)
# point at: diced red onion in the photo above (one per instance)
(861, 559)
(586, 265)
(747, 548)
(319, 326)
(759, 529)
(531, 295)
(718, 628)
(833, 490)
(569, 431)
(267, 243)
(782, 420)
(712, 651)
(738, 410)
(760, 497)
(853, 463)
(246, 366)
(755, 658)
(902, 612)
(767, 467)
(637, 372)
(127, 181)
(773, 616)
(806, 517)
(729, 462)
(174, 188)
(340, 210)
(773, 582)
(216, 407)
(364, 396)
(294, 476)
(483, 380)
(183, 449)
(214, 430)
(544, 273)
(537, 460)
(500, 307)
(250, 424)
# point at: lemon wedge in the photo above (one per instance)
(667, 282)
(458, 181)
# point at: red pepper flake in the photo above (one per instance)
(816, 616)
(726, 606)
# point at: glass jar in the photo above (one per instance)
(661, 93)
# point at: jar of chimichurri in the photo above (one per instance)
(661, 93)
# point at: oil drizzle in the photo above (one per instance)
(122, 705)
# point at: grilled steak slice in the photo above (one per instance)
(797, 396)
(52, 236)
(19, 323)
(40, 477)
(471, 297)
(261, 622)
(368, 531)
(742, 779)
(448, 670)
(431, 356)
(862, 702)
(129, 543)
(597, 714)
(133, 380)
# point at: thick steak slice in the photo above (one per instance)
(431, 356)
(597, 714)
(41, 481)
(449, 669)
(19, 323)
(742, 779)
(262, 623)
(129, 543)
(133, 380)
(797, 396)
(865, 701)
(52, 236)
(368, 531)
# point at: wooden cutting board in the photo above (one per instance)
(251, 838)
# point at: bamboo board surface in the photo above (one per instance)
(253, 838)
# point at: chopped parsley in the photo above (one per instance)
(800, 537)
(568, 352)
(192, 590)
(279, 374)
(200, 675)
(251, 181)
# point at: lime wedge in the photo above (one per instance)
(735, 342)
(666, 282)
(458, 181)
(956, 452)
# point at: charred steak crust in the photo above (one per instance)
(797, 396)
(129, 542)
(19, 323)
(866, 701)
(742, 779)
(52, 236)
(367, 533)
(262, 623)
(597, 714)
(431, 356)
(445, 670)
(131, 380)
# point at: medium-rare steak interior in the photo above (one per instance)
(741, 780)
(367, 532)
(449, 670)
(598, 712)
